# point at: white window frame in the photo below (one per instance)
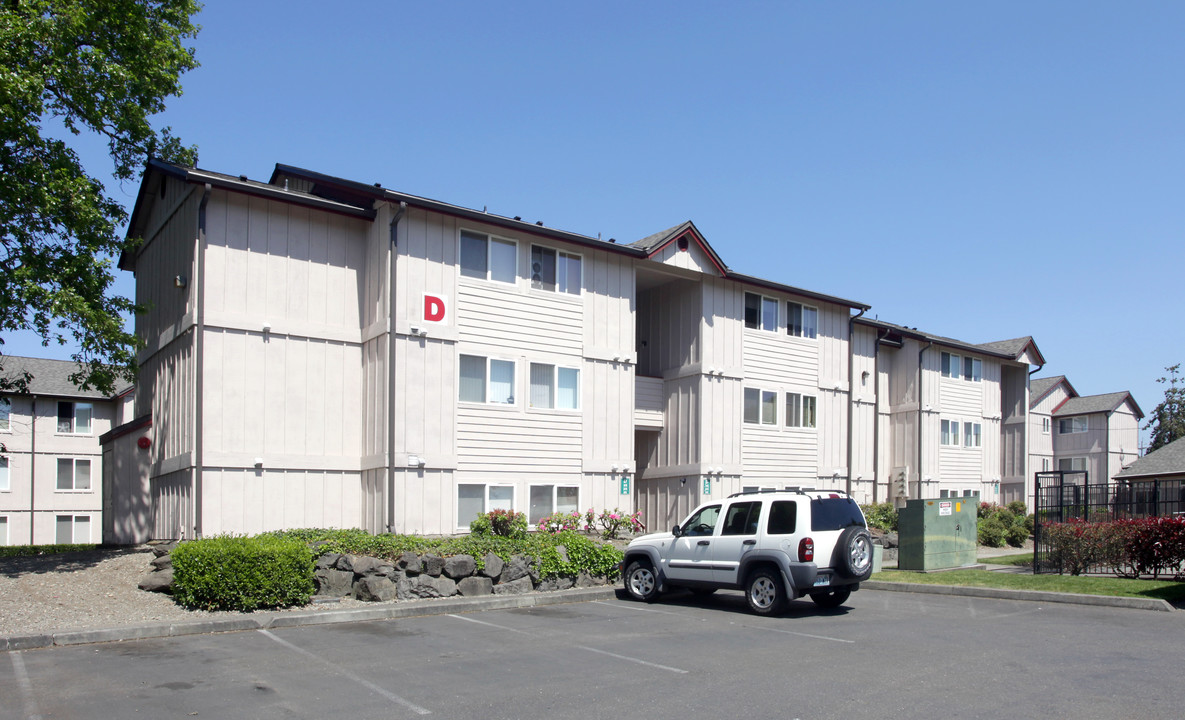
(1046, 425)
(75, 521)
(968, 492)
(1071, 460)
(975, 438)
(762, 405)
(1077, 425)
(808, 330)
(561, 284)
(486, 503)
(976, 374)
(951, 433)
(554, 390)
(1046, 464)
(532, 518)
(5, 415)
(490, 242)
(802, 411)
(952, 365)
(3, 530)
(74, 418)
(489, 360)
(5, 477)
(764, 303)
(74, 469)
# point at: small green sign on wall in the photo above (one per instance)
(625, 486)
(707, 486)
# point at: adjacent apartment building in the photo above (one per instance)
(323, 352)
(50, 462)
(1098, 434)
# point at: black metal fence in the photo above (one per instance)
(1062, 496)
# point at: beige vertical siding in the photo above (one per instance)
(172, 505)
(246, 500)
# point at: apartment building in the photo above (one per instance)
(1098, 434)
(50, 466)
(322, 352)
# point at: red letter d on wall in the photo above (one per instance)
(435, 309)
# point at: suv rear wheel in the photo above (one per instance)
(641, 582)
(765, 592)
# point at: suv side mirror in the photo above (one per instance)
(676, 531)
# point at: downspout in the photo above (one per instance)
(389, 504)
(876, 414)
(851, 394)
(199, 346)
(33, 471)
(1025, 477)
(921, 418)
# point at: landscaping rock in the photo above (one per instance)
(162, 562)
(459, 566)
(518, 567)
(375, 588)
(345, 562)
(584, 580)
(159, 581)
(163, 548)
(428, 586)
(433, 565)
(327, 560)
(332, 582)
(373, 566)
(493, 565)
(520, 586)
(471, 586)
(410, 563)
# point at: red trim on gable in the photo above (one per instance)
(699, 242)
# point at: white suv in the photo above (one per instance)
(774, 545)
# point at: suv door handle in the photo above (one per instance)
(749, 542)
(703, 542)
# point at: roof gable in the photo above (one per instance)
(52, 378)
(683, 246)
(1168, 460)
(1107, 403)
(1041, 388)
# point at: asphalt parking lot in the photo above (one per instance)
(884, 655)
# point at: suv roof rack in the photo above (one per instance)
(788, 488)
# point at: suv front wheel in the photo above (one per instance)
(641, 582)
(765, 592)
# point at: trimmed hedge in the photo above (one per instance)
(1130, 548)
(242, 573)
(31, 550)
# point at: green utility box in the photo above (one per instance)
(938, 534)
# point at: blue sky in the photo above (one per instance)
(977, 170)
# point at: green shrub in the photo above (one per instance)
(504, 523)
(1004, 524)
(241, 573)
(992, 532)
(881, 515)
(28, 550)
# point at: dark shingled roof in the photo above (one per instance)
(1039, 386)
(650, 242)
(52, 377)
(1097, 404)
(1169, 460)
(1009, 349)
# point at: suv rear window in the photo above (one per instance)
(835, 513)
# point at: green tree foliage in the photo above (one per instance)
(80, 66)
(1168, 419)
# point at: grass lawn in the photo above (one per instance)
(1025, 559)
(1170, 590)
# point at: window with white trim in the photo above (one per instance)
(555, 387)
(5, 414)
(800, 410)
(951, 364)
(1046, 464)
(1046, 425)
(5, 483)
(488, 258)
(968, 493)
(1071, 426)
(802, 320)
(761, 313)
(486, 380)
(550, 499)
(75, 417)
(3, 530)
(761, 407)
(972, 369)
(554, 270)
(1077, 464)
(73, 530)
(475, 499)
(74, 474)
(972, 434)
(950, 433)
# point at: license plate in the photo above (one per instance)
(822, 581)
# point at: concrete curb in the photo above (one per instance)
(302, 618)
(1030, 595)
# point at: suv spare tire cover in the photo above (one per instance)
(853, 554)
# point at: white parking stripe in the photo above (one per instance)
(22, 680)
(346, 673)
(808, 635)
(579, 647)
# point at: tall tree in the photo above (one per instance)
(1168, 418)
(79, 66)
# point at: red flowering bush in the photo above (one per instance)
(1131, 548)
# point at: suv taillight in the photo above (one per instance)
(806, 550)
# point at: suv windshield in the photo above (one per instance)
(835, 513)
